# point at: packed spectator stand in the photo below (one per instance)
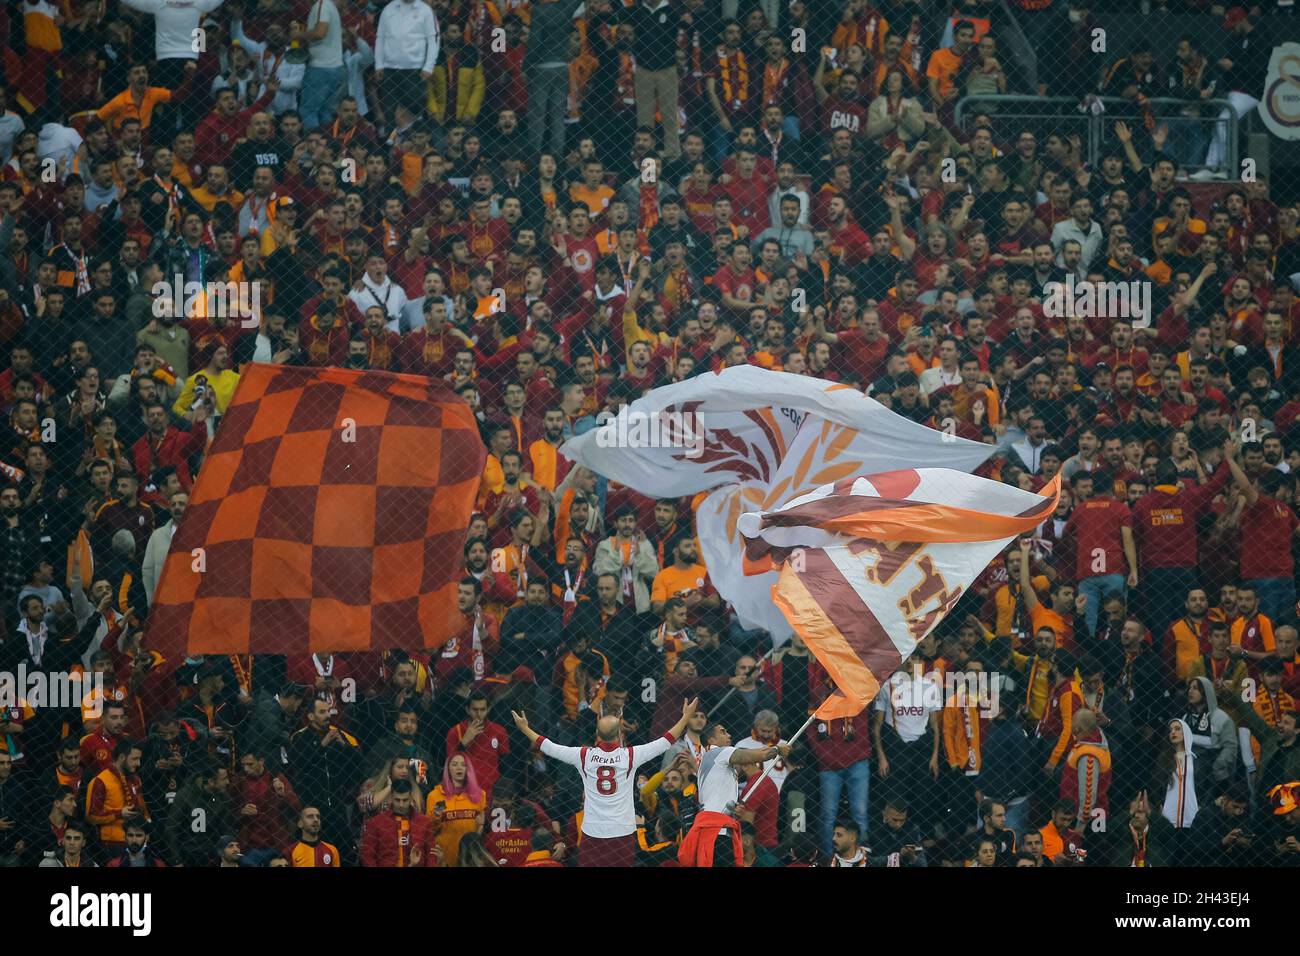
(555, 207)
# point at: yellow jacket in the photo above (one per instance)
(222, 384)
(470, 86)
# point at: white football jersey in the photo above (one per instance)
(608, 782)
(907, 700)
(718, 781)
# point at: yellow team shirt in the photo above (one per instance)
(459, 816)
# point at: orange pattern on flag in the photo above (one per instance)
(329, 515)
(829, 613)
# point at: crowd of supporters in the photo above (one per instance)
(555, 207)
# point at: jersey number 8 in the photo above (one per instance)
(606, 780)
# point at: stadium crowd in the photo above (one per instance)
(555, 207)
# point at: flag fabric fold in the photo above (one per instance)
(756, 439)
(870, 564)
(329, 515)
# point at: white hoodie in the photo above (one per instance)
(1180, 797)
(174, 24)
(407, 37)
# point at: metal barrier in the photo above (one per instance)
(1065, 114)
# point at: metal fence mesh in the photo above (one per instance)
(556, 206)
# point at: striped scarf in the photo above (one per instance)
(733, 77)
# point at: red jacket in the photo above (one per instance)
(324, 347)
(388, 840)
(484, 751)
(214, 140)
(841, 742)
(269, 827)
(697, 849)
(174, 449)
(1063, 703)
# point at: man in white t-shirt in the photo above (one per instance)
(406, 48)
(906, 731)
(609, 784)
(323, 83)
(714, 839)
(174, 26)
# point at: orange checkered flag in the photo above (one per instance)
(329, 515)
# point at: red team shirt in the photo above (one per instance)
(839, 113)
(1095, 525)
(1165, 524)
(1268, 525)
(484, 751)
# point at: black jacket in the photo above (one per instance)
(375, 716)
(885, 842)
(268, 727)
(654, 42)
(1205, 840)
(736, 713)
(248, 155)
(1144, 686)
(1119, 845)
(619, 639)
(187, 842)
(536, 649)
(325, 776)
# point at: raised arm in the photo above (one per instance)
(1239, 476)
(819, 81)
(254, 48)
(1026, 582)
(906, 245)
(569, 755)
(748, 756)
(688, 711)
(1126, 140)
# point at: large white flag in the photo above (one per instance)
(870, 564)
(760, 438)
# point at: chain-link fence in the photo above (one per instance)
(551, 208)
